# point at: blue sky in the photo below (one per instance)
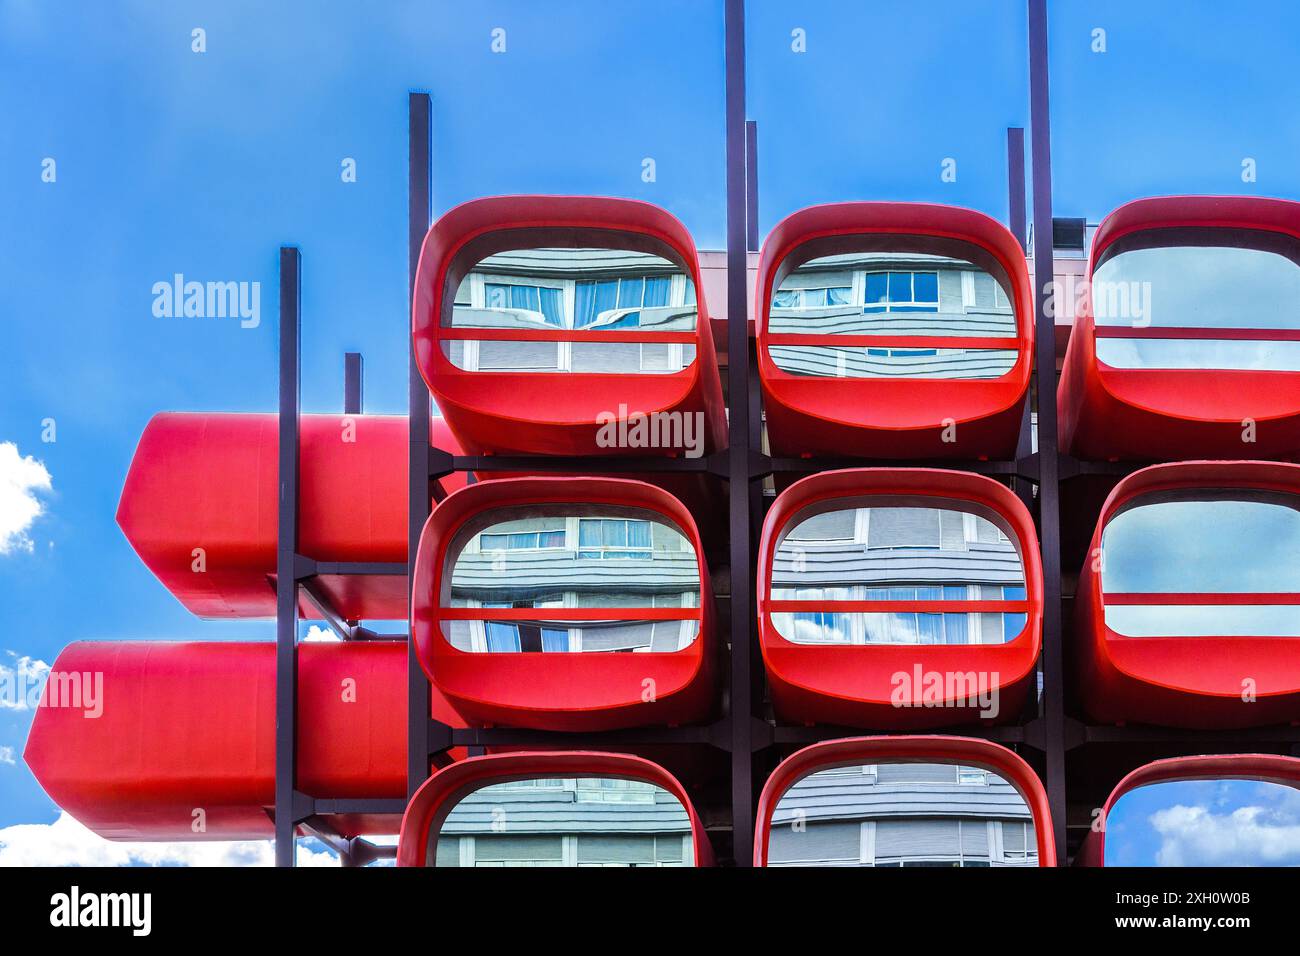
(1205, 823)
(173, 161)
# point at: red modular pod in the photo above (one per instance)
(200, 507)
(1206, 829)
(893, 330)
(176, 741)
(899, 598)
(1187, 608)
(553, 809)
(626, 639)
(1167, 360)
(541, 321)
(904, 801)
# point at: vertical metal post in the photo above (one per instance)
(751, 185)
(286, 584)
(1049, 462)
(419, 210)
(352, 395)
(742, 612)
(1016, 182)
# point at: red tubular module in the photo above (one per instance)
(878, 586)
(200, 502)
(962, 751)
(183, 744)
(901, 356)
(1270, 768)
(1165, 360)
(548, 387)
(565, 604)
(434, 801)
(1186, 612)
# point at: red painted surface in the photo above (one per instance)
(560, 691)
(967, 751)
(188, 726)
(851, 685)
(1145, 414)
(209, 481)
(1266, 767)
(893, 417)
(1193, 682)
(441, 792)
(554, 413)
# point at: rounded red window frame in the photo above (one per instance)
(561, 691)
(1264, 767)
(850, 685)
(1144, 414)
(439, 795)
(555, 412)
(967, 751)
(1154, 679)
(894, 417)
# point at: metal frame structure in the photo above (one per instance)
(740, 731)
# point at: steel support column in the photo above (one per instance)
(1053, 714)
(742, 604)
(419, 213)
(286, 582)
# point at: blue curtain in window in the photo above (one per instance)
(554, 640)
(630, 292)
(553, 306)
(656, 291)
(638, 534)
(593, 298)
(502, 637)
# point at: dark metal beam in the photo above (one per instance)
(751, 185)
(352, 383)
(419, 213)
(742, 618)
(286, 598)
(1016, 183)
(1045, 361)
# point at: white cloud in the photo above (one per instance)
(22, 478)
(1247, 836)
(318, 633)
(20, 685)
(65, 842)
(7, 755)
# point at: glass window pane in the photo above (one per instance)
(926, 287)
(877, 287)
(900, 287)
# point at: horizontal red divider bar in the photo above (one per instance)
(890, 607)
(568, 613)
(1243, 599)
(631, 336)
(1186, 332)
(893, 341)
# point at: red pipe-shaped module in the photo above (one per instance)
(200, 506)
(176, 741)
